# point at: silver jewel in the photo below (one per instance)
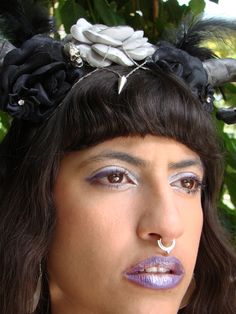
(123, 79)
(21, 102)
(167, 249)
(208, 100)
(74, 54)
(121, 83)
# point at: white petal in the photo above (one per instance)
(77, 33)
(141, 53)
(83, 23)
(98, 27)
(135, 35)
(148, 45)
(83, 49)
(135, 43)
(102, 39)
(96, 60)
(118, 32)
(92, 57)
(113, 54)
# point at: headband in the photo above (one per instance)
(36, 76)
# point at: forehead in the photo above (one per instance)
(147, 151)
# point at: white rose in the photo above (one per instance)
(101, 45)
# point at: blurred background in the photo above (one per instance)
(154, 17)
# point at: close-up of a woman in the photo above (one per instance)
(110, 174)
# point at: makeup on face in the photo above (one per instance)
(156, 272)
(114, 201)
(120, 178)
(113, 177)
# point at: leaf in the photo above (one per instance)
(70, 12)
(146, 7)
(2, 134)
(230, 145)
(5, 119)
(172, 12)
(230, 181)
(4, 124)
(228, 219)
(108, 12)
(197, 6)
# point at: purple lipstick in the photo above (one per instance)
(157, 272)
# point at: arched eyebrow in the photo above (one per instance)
(139, 162)
(182, 164)
(133, 160)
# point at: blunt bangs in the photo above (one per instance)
(152, 103)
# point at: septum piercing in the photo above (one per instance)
(167, 249)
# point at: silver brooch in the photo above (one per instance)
(74, 54)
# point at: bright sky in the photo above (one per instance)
(223, 8)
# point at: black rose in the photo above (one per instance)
(188, 68)
(35, 78)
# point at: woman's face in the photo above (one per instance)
(114, 201)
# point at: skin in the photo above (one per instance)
(103, 228)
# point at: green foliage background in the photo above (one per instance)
(154, 17)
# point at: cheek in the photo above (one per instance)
(90, 240)
(192, 213)
(88, 228)
(88, 216)
(193, 222)
(196, 220)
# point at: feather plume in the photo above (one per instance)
(192, 32)
(20, 20)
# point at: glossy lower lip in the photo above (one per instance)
(157, 281)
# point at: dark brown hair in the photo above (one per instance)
(152, 102)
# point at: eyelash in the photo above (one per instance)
(197, 184)
(107, 172)
(103, 175)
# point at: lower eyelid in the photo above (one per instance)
(186, 191)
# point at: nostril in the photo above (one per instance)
(154, 236)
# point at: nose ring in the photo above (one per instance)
(167, 249)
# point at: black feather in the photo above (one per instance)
(20, 20)
(192, 32)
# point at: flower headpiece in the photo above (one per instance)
(36, 77)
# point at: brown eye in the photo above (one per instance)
(115, 178)
(188, 184)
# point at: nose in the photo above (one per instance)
(160, 217)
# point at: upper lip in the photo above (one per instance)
(168, 263)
